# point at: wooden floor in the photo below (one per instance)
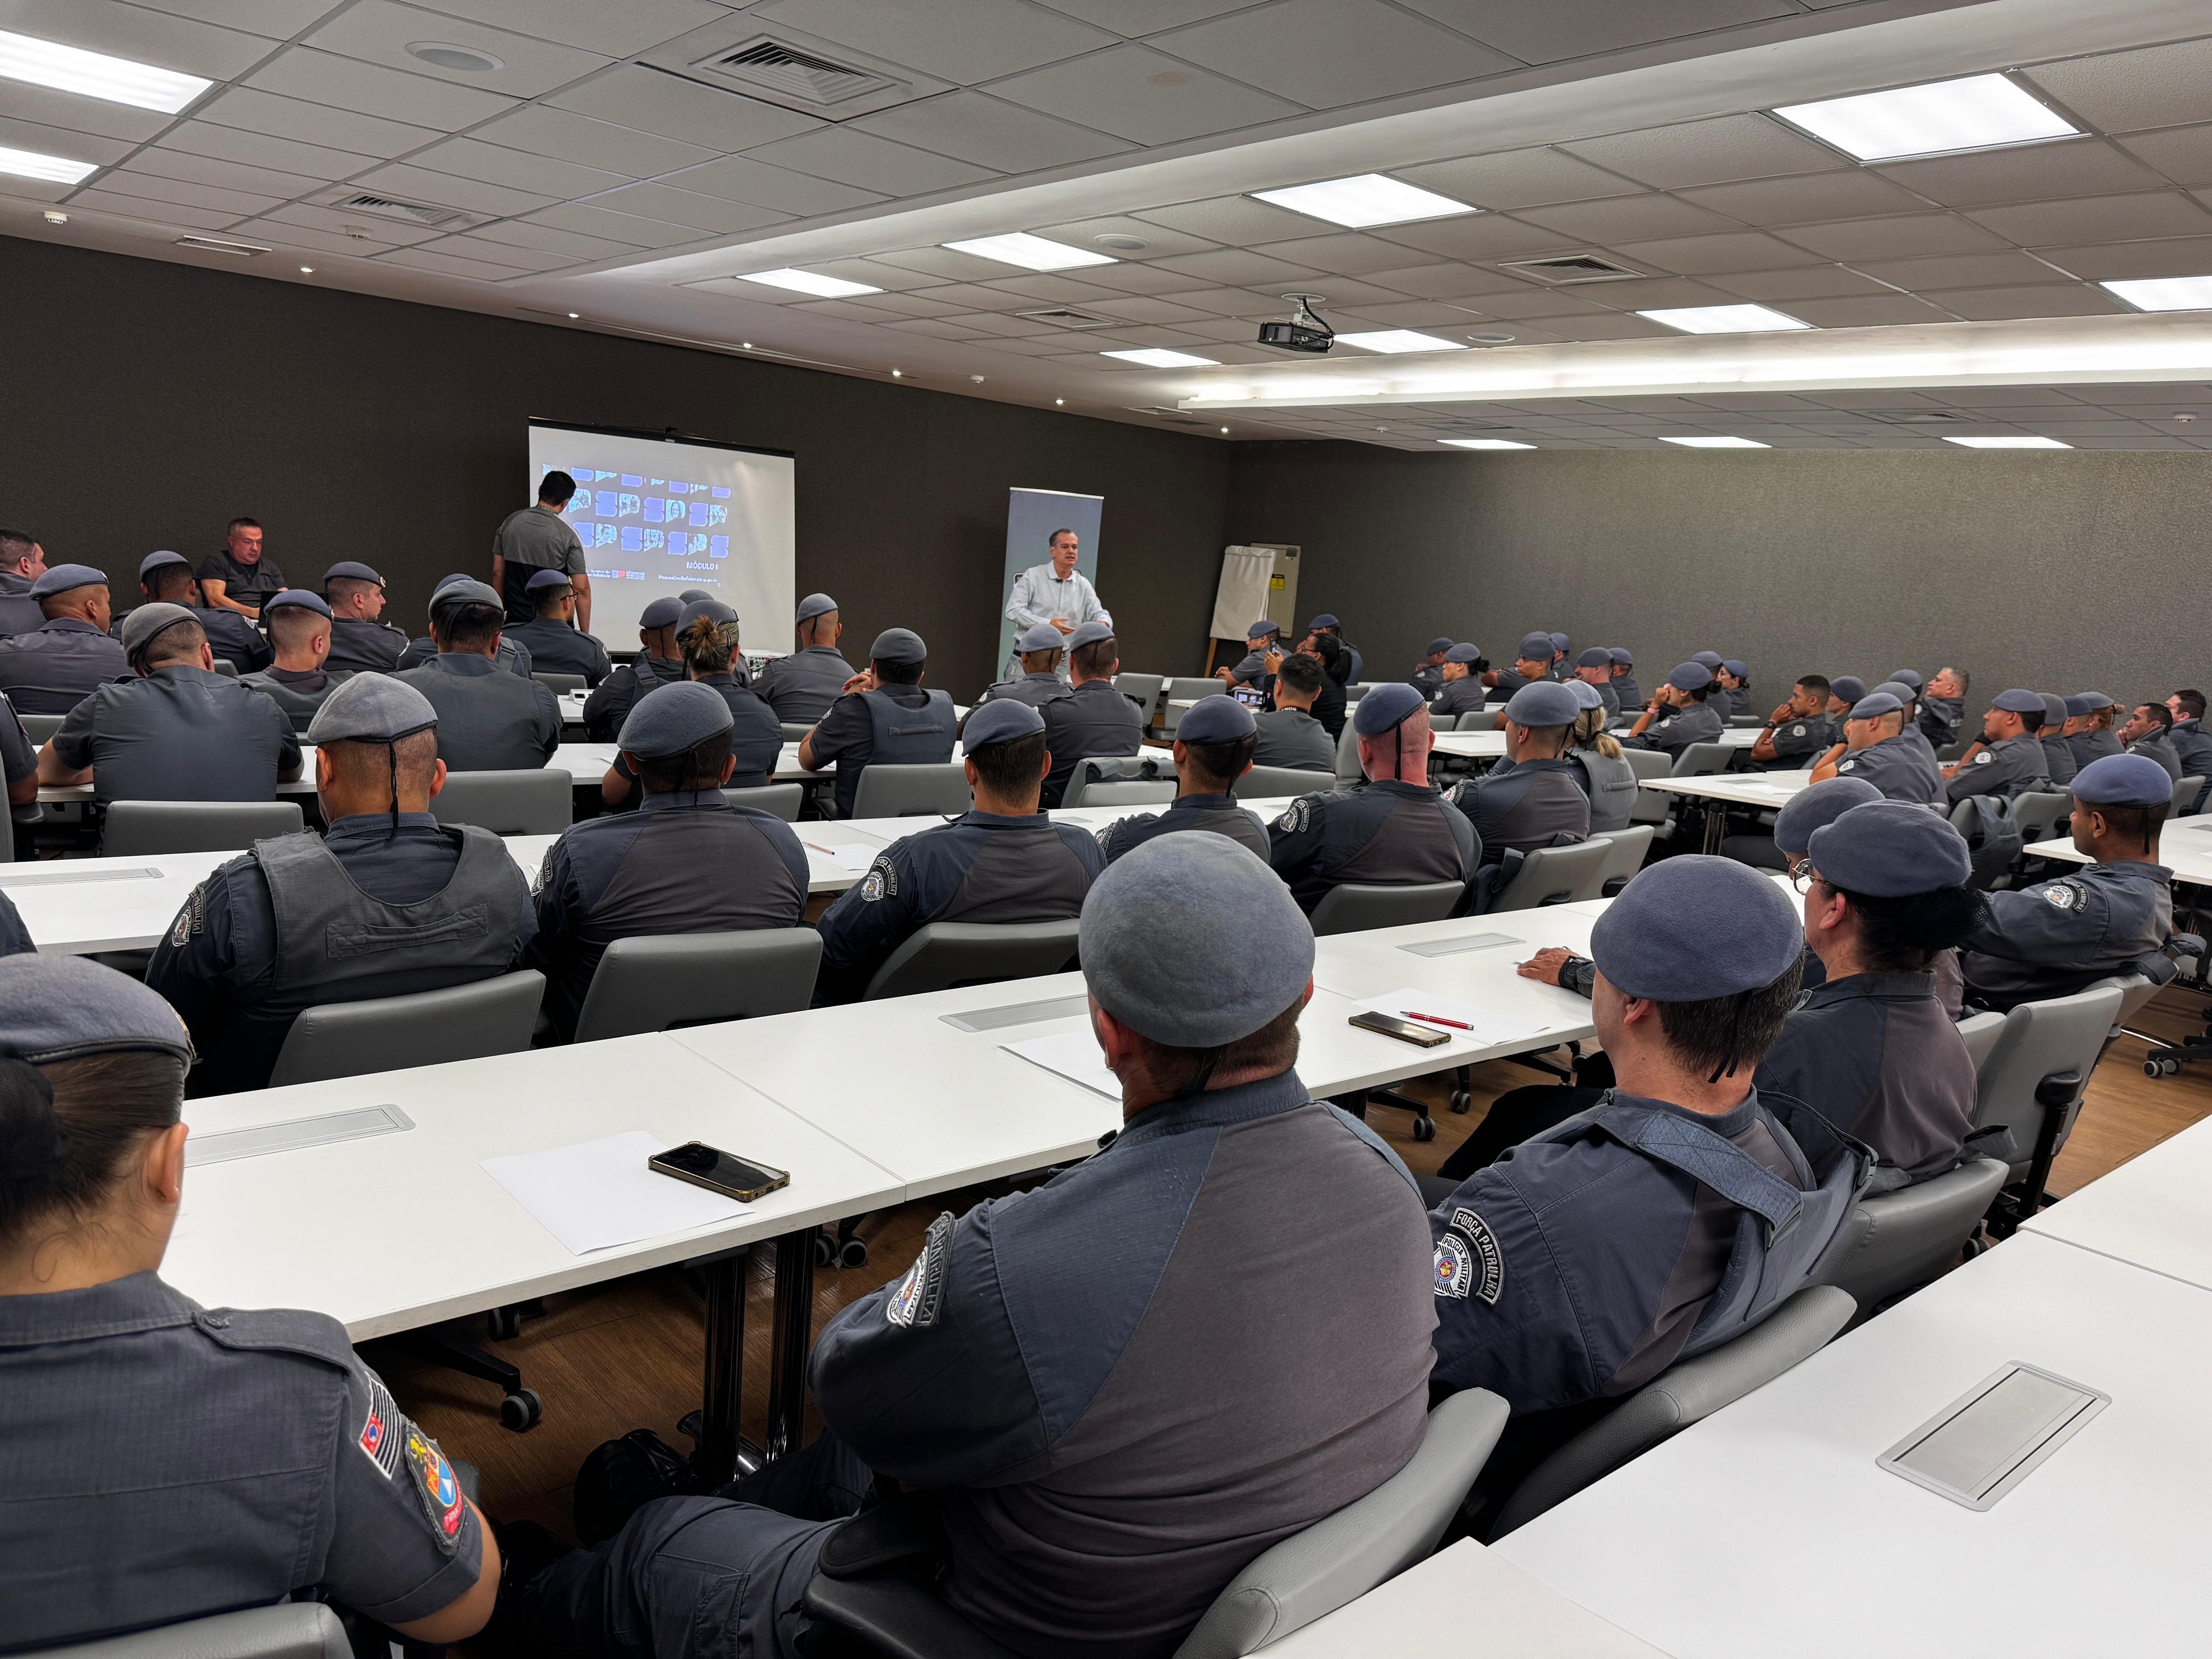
(627, 1355)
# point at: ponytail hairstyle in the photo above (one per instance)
(71, 1129)
(1590, 733)
(709, 647)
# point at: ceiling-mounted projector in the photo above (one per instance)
(1303, 332)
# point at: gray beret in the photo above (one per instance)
(1187, 911)
(1089, 634)
(2123, 781)
(2054, 709)
(468, 591)
(674, 718)
(1741, 671)
(1873, 706)
(1216, 719)
(1262, 629)
(1325, 619)
(1689, 676)
(898, 645)
(1897, 689)
(372, 709)
(1560, 642)
(816, 605)
(154, 562)
(1438, 644)
(721, 615)
(2016, 701)
(1817, 806)
(352, 570)
(1463, 653)
(2097, 700)
(299, 598)
(1044, 637)
(1585, 695)
(1596, 656)
(1847, 688)
(1692, 928)
(1002, 720)
(1536, 647)
(545, 579)
(1891, 848)
(2076, 705)
(142, 625)
(661, 613)
(65, 578)
(693, 595)
(1709, 659)
(1621, 654)
(1907, 676)
(1384, 707)
(55, 1008)
(447, 581)
(1546, 703)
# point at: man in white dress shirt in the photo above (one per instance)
(1054, 594)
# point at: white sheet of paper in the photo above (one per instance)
(1485, 1027)
(1074, 1055)
(852, 858)
(599, 1194)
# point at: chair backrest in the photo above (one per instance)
(1143, 689)
(1130, 792)
(1627, 849)
(1950, 751)
(423, 1028)
(227, 669)
(1145, 766)
(947, 954)
(296, 1630)
(559, 684)
(2039, 813)
(782, 798)
(1703, 760)
(1979, 1032)
(1556, 875)
(1482, 720)
(137, 828)
(2051, 1039)
(1895, 1241)
(1368, 1542)
(2185, 791)
(1347, 753)
(538, 803)
(794, 730)
(1650, 806)
(1352, 909)
(1685, 1393)
(1274, 782)
(687, 979)
(2135, 990)
(1182, 690)
(908, 792)
(40, 727)
(1649, 762)
(1359, 688)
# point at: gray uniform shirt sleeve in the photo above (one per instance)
(73, 740)
(401, 1548)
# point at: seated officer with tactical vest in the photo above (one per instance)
(1798, 733)
(660, 661)
(1594, 757)
(801, 686)
(707, 635)
(1039, 682)
(1459, 690)
(1093, 719)
(1873, 749)
(515, 659)
(359, 640)
(554, 644)
(883, 714)
(1533, 798)
(1680, 714)
(52, 668)
(284, 927)
(166, 578)
(179, 731)
(1213, 748)
(1392, 830)
(2007, 759)
(1004, 861)
(298, 625)
(686, 862)
(488, 721)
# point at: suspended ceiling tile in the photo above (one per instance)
(448, 265)
(238, 203)
(301, 236)
(1712, 255)
(1143, 96)
(1812, 283)
(1533, 301)
(1050, 288)
(1909, 236)
(1235, 220)
(574, 246)
(274, 20)
(2098, 219)
(974, 296)
(189, 43)
(868, 162)
(379, 32)
(414, 183)
(1135, 17)
(1239, 267)
(1648, 293)
(1517, 179)
(1135, 279)
(1160, 241)
(743, 180)
(228, 175)
(142, 208)
(70, 112)
(2183, 154)
(497, 253)
(2025, 173)
(56, 141)
(323, 77)
(964, 41)
(1145, 309)
(569, 137)
(1868, 311)
(1324, 53)
(1627, 219)
(1352, 254)
(1485, 236)
(260, 149)
(688, 207)
(1722, 150)
(2124, 91)
(1445, 281)
(1961, 271)
(617, 30)
(1995, 304)
(1544, 34)
(653, 101)
(265, 112)
(1807, 199)
(495, 164)
(989, 132)
(1609, 326)
(846, 311)
(2183, 256)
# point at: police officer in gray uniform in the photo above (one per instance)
(168, 577)
(2008, 760)
(1094, 719)
(1040, 681)
(1531, 663)
(1873, 750)
(1022, 1368)
(1680, 714)
(1943, 706)
(299, 1479)
(660, 662)
(1532, 797)
(22, 561)
(19, 758)
(1734, 680)
(1392, 830)
(1213, 748)
(2058, 936)
(686, 862)
(2089, 718)
(515, 659)
(1428, 675)
(1356, 665)
(1594, 668)
(1798, 732)
(360, 641)
(1003, 861)
(883, 714)
(1625, 689)
(2190, 741)
(800, 687)
(2058, 754)
(56, 665)
(1599, 767)
(707, 634)
(556, 646)
(1915, 740)
(488, 721)
(1260, 638)
(2145, 734)
(275, 931)
(1460, 691)
(298, 625)
(179, 731)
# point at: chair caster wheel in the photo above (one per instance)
(853, 1253)
(506, 1323)
(1424, 1128)
(1973, 1247)
(825, 1250)
(1462, 1101)
(520, 1412)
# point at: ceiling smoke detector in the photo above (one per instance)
(1121, 242)
(440, 54)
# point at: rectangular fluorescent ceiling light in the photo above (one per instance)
(96, 75)
(1981, 112)
(1483, 443)
(1030, 253)
(1367, 199)
(2006, 443)
(53, 169)
(809, 282)
(1399, 339)
(1160, 357)
(1716, 443)
(1725, 320)
(2164, 293)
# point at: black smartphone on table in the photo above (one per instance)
(1390, 1025)
(717, 1171)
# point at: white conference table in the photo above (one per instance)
(1471, 745)
(1770, 791)
(2185, 846)
(2154, 1211)
(1768, 1529)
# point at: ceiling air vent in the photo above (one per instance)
(766, 64)
(411, 213)
(1063, 317)
(219, 244)
(1569, 268)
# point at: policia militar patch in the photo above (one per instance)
(1468, 1260)
(916, 1299)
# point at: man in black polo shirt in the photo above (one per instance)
(241, 577)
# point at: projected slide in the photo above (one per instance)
(658, 516)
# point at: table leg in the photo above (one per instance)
(793, 1333)
(1715, 826)
(716, 1458)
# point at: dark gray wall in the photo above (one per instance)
(146, 403)
(2060, 572)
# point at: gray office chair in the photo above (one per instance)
(1144, 690)
(227, 669)
(296, 1630)
(559, 684)
(1483, 719)
(40, 727)
(795, 730)
(1132, 792)
(423, 1028)
(1146, 766)
(945, 954)
(1359, 688)
(1353, 909)
(1275, 782)
(1949, 752)
(1703, 760)
(2041, 815)
(782, 798)
(1653, 807)
(539, 803)
(1685, 1393)
(135, 828)
(1979, 1032)
(1626, 851)
(1555, 875)
(651, 984)
(1898, 1241)
(1181, 689)
(2185, 791)
(2028, 1092)
(1347, 754)
(910, 792)
(1311, 1573)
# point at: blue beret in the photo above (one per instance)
(1542, 703)
(64, 578)
(708, 606)
(154, 562)
(816, 605)
(142, 625)
(1689, 676)
(1891, 848)
(661, 612)
(1596, 656)
(1692, 927)
(1737, 669)
(1437, 644)
(1709, 659)
(1873, 706)
(2123, 781)
(2076, 705)
(545, 579)
(1215, 719)
(1463, 653)
(372, 709)
(453, 595)
(1815, 807)
(1262, 629)
(2095, 701)
(898, 645)
(298, 599)
(2054, 709)
(56, 1008)
(1536, 647)
(351, 570)
(1044, 637)
(447, 580)
(673, 717)
(1847, 688)
(1326, 619)
(1090, 633)
(1187, 911)
(1384, 707)
(1621, 654)
(1585, 695)
(1002, 720)
(1907, 676)
(693, 595)
(2016, 701)
(1559, 642)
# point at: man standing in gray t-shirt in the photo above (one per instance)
(539, 538)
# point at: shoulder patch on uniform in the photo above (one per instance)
(1797, 730)
(881, 880)
(1488, 1259)
(1299, 816)
(382, 1429)
(916, 1298)
(2066, 895)
(1984, 757)
(436, 1485)
(1845, 766)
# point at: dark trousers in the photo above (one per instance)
(1519, 1113)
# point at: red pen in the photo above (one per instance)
(1438, 1019)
